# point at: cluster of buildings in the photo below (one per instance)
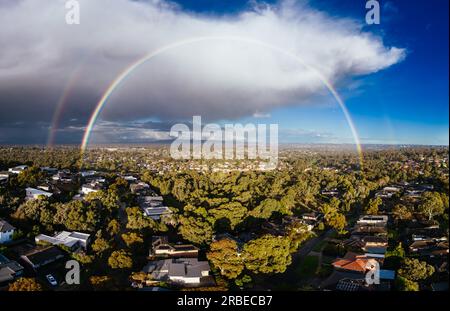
(40, 259)
(365, 254)
(411, 191)
(6, 231)
(176, 264)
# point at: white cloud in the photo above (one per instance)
(217, 79)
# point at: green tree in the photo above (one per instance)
(266, 208)
(224, 255)
(398, 251)
(76, 215)
(401, 212)
(136, 219)
(25, 285)
(432, 204)
(195, 229)
(333, 217)
(113, 227)
(132, 239)
(234, 212)
(120, 259)
(102, 282)
(100, 245)
(372, 207)
(403, 284)
(415, 270)
(267, 254)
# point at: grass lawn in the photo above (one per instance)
(308, 267)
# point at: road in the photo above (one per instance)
(309, 245)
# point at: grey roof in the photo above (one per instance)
(42, 255)
(350, 285)
(181, 267)
(5, 226)
(177, 269)
(6, 274)
(157, 265)
(8, 269)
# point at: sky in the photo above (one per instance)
(256, 61)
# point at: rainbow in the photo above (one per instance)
(130, 69)
(61, 104)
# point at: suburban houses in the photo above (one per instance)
(6, 231)
(159, 230)
(71, 240)
(180, 271)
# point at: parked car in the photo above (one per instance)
(51, 280)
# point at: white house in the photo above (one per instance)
(33, 193)
(373, 220)
(88, 173)
(18, 169)
(181, 270)
(153, 208)
(4, 176)
(71, 240)
(88, 188)
(157, 212)
(130, 179)
(6, 231)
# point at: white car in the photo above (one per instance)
(51, 280)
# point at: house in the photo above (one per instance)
(161, 247)
(331, 283)
(72, 240)
(49, 188)
(130, 179)
(9, 270)
(139, 187)
(372, 230)
(387, 192)
(88, 173)
(88, 188)
(41, 256)
(33, 194)
(179, 271)
(431, 247)
(157, 212)
(4, 176)
(330, 192)
(351, 285)
(49, 170)
(355, 263)
(369, 244)
(64, 176)
(315, 216)
(6, 231)
(310, 220)
(153, 208)
(373, 220)
(374, 244)
(18, 169)
(439, 287)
